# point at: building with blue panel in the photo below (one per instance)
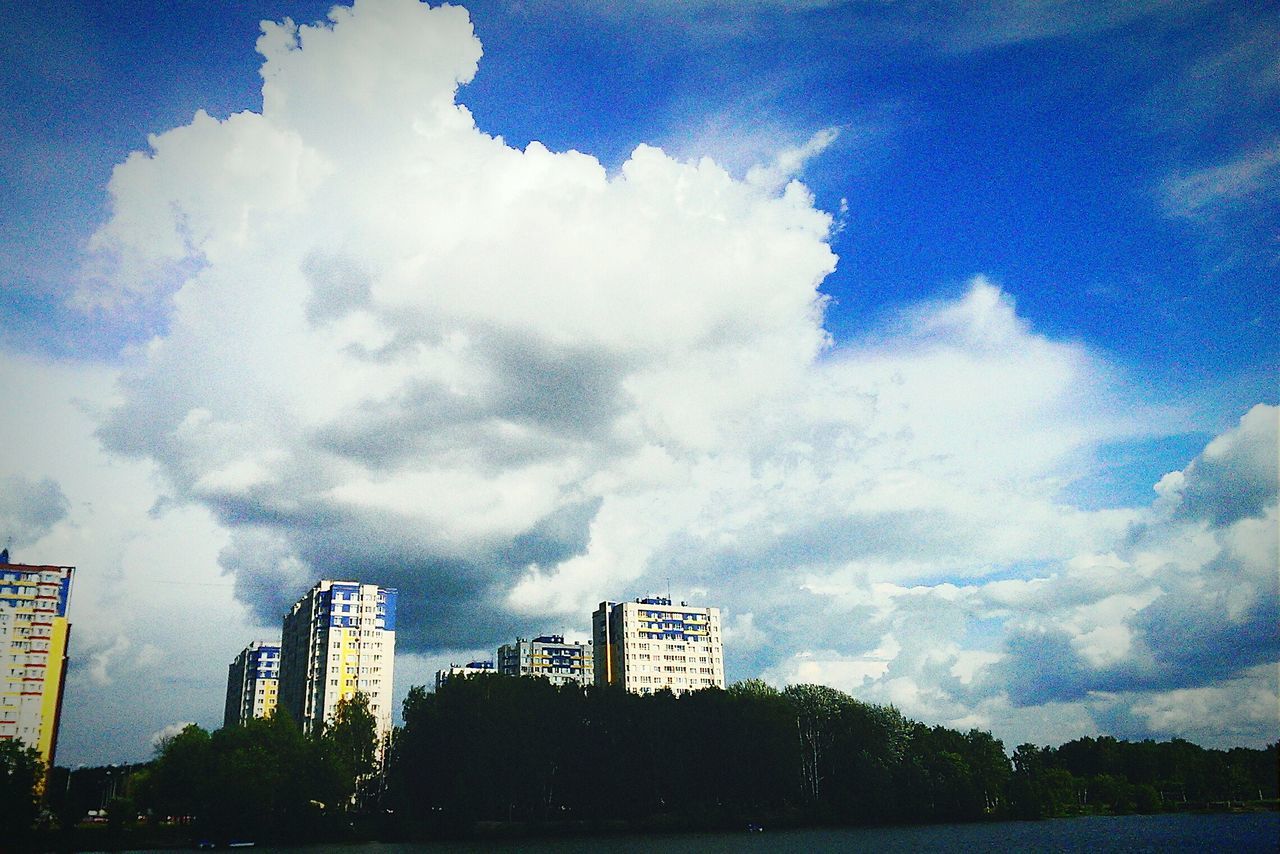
(547, 656)
(654, 644)
(252, 683)
(34, 638)
(338, 640)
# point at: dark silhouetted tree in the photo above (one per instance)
(21, 773)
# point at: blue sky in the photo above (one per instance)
(1055, 227)
(1040, 161)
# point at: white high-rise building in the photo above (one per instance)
(652, 643)
(252, 683)
(547, 656)
(34, 634)
(338, 639)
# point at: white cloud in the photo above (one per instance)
(1178, 605)
(513, 384)
(153, 621)
(426, 326)
(789, 162)
(1236, 475)
(1233, 712)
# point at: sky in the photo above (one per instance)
(933, 343)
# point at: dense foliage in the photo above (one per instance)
(501, 749)
(492, 748)
(20, 774)
(497, 748)
(1105, 774)
(264, 780)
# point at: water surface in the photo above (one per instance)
(1235, 833)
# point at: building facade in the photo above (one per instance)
(338, 639)
(461, 671)
(34, 634)
(547, 656)
(252, 683)
(651, 644)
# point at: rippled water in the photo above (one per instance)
(1159, 833)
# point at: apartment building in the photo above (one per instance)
(252, 683)
(34, 634)
(547, 656)
(338, 639)
(651, 644)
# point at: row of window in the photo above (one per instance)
(380, 610)
(672, 615)
(673, 681)
(644, 638)
(27, 579)
(38, 632)
(644, 656)
(364, 683)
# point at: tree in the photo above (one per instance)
(179, 781)
(262, 780)
(1041, 787)
(765, 767)
(870, 743)
(991, 769)
(349, 742)
(21, 773)
(815, 707)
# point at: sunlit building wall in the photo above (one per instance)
(338, 639)
(34, 633)
(547, 656)
(252, 683)
(651, 644)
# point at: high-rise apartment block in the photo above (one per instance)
(651, 644)
(33, 640)
(252, 683)
(338, 639)
(546, 655)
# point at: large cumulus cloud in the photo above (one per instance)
(153, 623)
(402, 349)
(513, 383)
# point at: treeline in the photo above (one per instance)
(525, 754)
(264, 781)
(1107, 775)
(493, 748)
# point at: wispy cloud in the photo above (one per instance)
(949, 27)
(1249, 179)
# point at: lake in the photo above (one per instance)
(1235, 833)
